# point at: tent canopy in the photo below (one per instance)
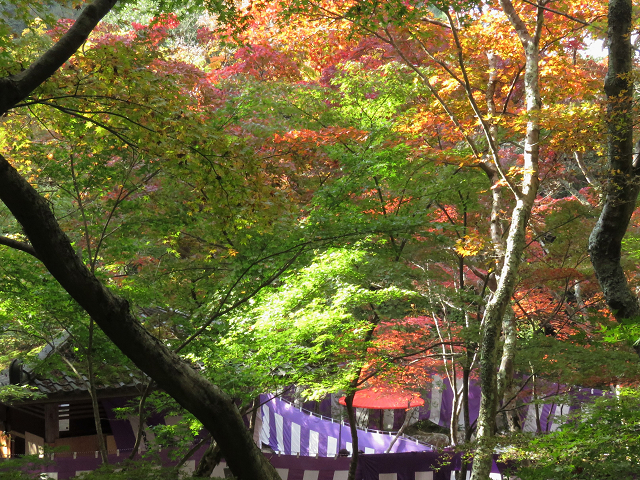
(385, 399)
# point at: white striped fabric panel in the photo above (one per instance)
(280, 432)
(388, 417)
(530, 420)
(436, 399)
(219, 470)
(424, 475)
(314, 443)
(264, 431)
(295, 438)
(332, 446)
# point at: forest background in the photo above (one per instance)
(331, 195)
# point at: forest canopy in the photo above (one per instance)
(234, 198)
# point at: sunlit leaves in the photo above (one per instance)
(599, 441)
(320, 176)
(311, 329)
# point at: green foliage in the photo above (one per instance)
(601, 441)
(309, 330)
(272, 223)
(157, 207)
(18, 393)
(177, 438)
(577, 360)
(26, 20)
(22, 468)
(141, 11)
(627, 332)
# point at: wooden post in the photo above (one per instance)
(51, 423)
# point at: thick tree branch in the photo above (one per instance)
(204, 400)
(15, 88)
(590, 179)
(517, 22)
(485, 126)
(17, 245)
(434, 22)
(512, 88)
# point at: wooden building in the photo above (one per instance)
(64, 415)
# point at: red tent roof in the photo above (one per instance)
(385, 399)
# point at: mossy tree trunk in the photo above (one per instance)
(622, 187)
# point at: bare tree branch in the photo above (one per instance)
(557, 12)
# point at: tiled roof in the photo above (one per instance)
(57, 383)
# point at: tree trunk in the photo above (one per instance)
(351, 414)
(490, 336)
(621, 191)
(466, 375)
(141, 420)
(93, 393)
(209, 460)
(506, 392)
(454, 422)
(102, 446)
(515, 245)
(207, 402)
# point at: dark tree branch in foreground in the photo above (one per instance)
(18, 245)
(15, 88)
(207, 402)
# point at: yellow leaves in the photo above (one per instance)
(37, 26)
(469, 245)
(216, 61)
(577, 126)
(513, 172)
(500, 183)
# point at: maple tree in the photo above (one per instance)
(559, 145)
(384, 131)
(417, 46)
(37, 214)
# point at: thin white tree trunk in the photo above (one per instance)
(515, 245)
(506, 390)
